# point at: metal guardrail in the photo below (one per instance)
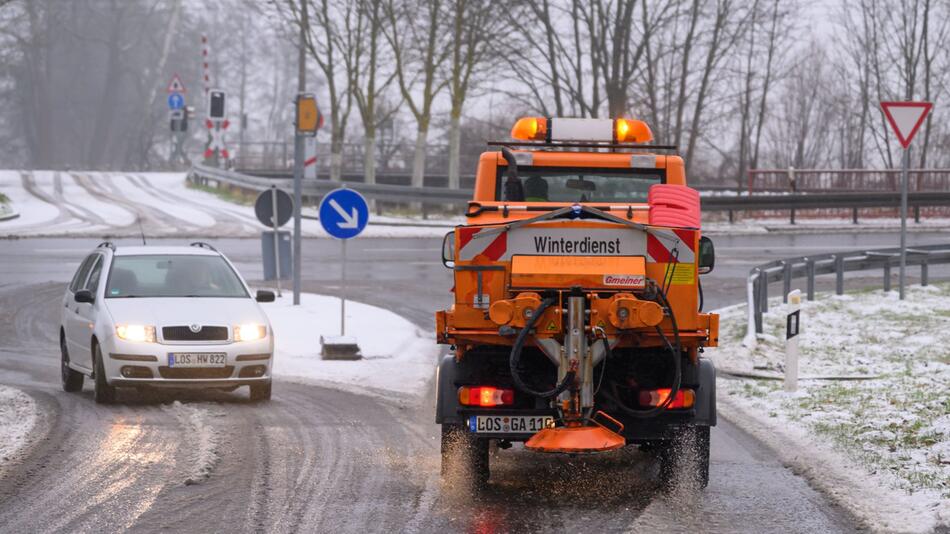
(313, 190)
(787, 269)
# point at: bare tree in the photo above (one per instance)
(416, 32)
(477, 31)
(363, 23)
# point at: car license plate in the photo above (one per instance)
(508, 424)
(197, 359)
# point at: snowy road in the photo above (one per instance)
(318, 459)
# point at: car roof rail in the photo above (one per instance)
(202, 244)
(106, 244)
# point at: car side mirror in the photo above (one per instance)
(448, 250)
(265, 295)
(707, 255)
(84, 295)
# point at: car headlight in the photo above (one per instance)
(249, 332)
(136, 332)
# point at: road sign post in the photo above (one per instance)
(305, 125)
(905, 119)
(344, 214)
(273, 208)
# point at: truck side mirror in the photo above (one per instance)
(707, 255)
(448, 250)
(84, 295)
(264, 295)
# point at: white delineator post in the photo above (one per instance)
(792, 325)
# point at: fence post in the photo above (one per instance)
(839, 274)
(923, 271)
(731, 220)
(786, 280)
(887, 275)
(811, 279)
(917, 214)
(854, 215)
(791, 217)
(756, 302)
(763, 291)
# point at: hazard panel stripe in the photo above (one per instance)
(660, 245)
(497, 248)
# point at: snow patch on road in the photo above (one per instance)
(18, 413)
(201, 439)
(880, 446)
(398, 357)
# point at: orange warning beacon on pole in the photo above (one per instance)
(577, 323)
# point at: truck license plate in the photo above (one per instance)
(508, 424)
(196, 359)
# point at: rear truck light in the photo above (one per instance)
(684, 398)
(486, 396)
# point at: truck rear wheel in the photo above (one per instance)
(685, 458)
(464, 458)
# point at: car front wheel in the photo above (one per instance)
(261, 392)
(72, 379)
(104, 393)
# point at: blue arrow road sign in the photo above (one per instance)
(176, 101)
(343, 213)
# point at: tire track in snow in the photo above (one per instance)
(228, 223)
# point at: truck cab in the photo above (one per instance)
(577, 325)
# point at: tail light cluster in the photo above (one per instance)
(685, 398)
(486, 396)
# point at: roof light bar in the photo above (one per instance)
(563, 129)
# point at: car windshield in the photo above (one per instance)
(173, 276)
(557, 184)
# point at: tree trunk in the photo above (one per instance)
(336, 157)
(419, 157)
(455, 142)
(369, 159)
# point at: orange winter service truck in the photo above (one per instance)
(577, 325)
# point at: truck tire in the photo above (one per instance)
(464, 458)
(685, 458)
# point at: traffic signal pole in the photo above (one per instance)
(299, 149)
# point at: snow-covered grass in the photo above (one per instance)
(893, 426)
(397, 356)
(203, 440)
(18, 414)
(81, 203)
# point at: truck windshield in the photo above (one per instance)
(173, 276)
(567, 184)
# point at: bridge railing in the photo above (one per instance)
(840, 180)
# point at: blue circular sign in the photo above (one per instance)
(176, 101)
(344, 213)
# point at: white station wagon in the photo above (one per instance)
(164, 316)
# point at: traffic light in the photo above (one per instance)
(216, 104)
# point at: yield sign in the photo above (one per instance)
(175, 86)
(905, 118)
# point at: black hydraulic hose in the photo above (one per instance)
(515, 360)
(675, 350)
(699, 283)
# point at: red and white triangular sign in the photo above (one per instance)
(906, 118)
(175, 86)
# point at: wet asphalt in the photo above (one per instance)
(318, 460)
